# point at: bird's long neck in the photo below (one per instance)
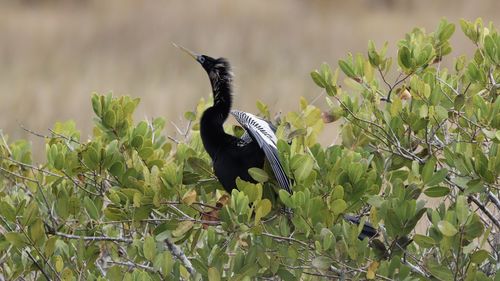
(222, 89)
(211, 125)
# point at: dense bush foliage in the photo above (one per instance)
(419, 159)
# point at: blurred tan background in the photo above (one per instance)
(54, 53)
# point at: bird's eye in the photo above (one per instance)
(201, 59)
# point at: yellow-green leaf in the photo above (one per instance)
(447, 228)
(424, 241)
(262, 208)
(58, 262)
(91, 208)
(479, 256)
(189, 197)
(16, 239)
(372, 270)
(149, 248)
(258, 174)
(213, 274)
(182, 228)
(338, 206)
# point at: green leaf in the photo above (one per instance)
(321, 263)
(338, 206)
(58, 263)
(437, 191)
(439, 271)
(213, 274)
(263, 110)
(189, 197)
(91, 208)
(424, 241)
(393, 223)
(253, 191)
(441, 112)
(347, 69)
(117, 169)
(110, 119)
(490, 48)
(437, 177)
(404, 58)
(474, 228)
(285, 198)
(337, 192)
(199, 166)
(328, 238)
(428, 170)
(479, 256)
(146, 152)
(149, 248)
(318, 79)
(447, 228)
(461, 209)
(190, 116)
(262, 208)
(302, 166)
(30, 214)
(137, 141)
(446, 31)
(16, 239)
(7, 211)
(459, 102)
(373, 56)
(168, 263)
(395, 106)
(96, 105)
(258, 174)
(182, 228)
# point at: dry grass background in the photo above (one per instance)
(53, 54)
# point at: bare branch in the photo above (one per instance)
(93, 238)
(179, 254)
(478, 203)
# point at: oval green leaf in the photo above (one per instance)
(447, 228)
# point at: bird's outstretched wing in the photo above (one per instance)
(246, 138)
(263, 133)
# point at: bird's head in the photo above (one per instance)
(216, 68)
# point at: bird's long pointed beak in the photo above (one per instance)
(187, 51)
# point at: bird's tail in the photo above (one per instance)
(368, 229)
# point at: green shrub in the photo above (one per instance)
(419, 157)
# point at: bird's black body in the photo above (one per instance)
(233, 156)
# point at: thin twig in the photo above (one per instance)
(5, 143)
(478, 203)
(32, 132)
(179, 254)
(93, 238)
(133, 265)
(286, 239)
(17, 175)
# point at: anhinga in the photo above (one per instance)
(233, 156)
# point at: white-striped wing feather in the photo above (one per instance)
(263, 133)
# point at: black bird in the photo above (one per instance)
(233, 156)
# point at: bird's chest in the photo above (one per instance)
(232, 162)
